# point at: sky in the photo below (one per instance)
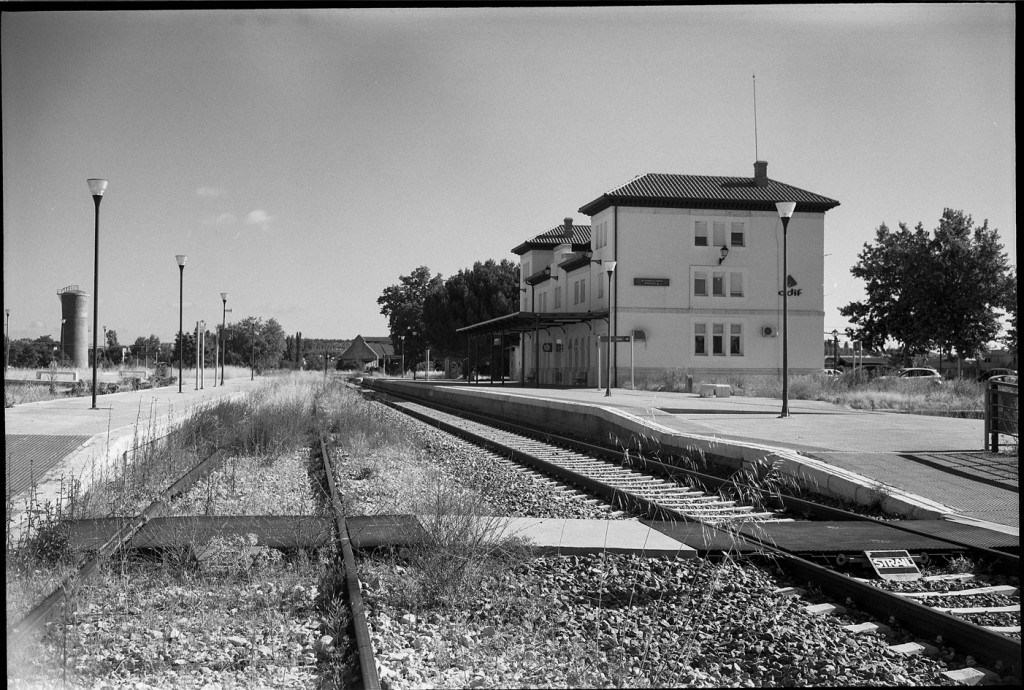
(305, 159)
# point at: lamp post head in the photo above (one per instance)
(182, 258)
(724, 253)
(97, 186)
(835, 332)
(611, 266)
(224, 296)
(785, 208)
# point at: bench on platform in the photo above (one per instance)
(57, 375)
(580, 379)
(716, 390)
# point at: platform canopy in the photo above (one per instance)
(527, 322)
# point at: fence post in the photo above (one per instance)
(988, 416)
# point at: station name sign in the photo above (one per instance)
(615, 338)
(893, 565)
(651, 282)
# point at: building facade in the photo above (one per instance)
(697, 284)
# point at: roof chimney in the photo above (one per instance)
(760, 173)
(568, 229)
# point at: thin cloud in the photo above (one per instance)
(223, 219)
(209, 192)
(259, 217)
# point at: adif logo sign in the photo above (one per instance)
(791, 289)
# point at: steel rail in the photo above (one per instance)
(983, 644)
(364, 644)
(46, 610)
(1010, 562)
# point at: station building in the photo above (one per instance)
(697, 284)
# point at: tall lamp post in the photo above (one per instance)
(610, 267)
(7, 343)
(182, 258)
(223, 336)
(835, 348)
(96, 188)
(785, 209)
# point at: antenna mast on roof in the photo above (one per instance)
(754, 77)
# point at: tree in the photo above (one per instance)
(927, 291)
(895, 270)
(1010, 307)
(969, 283)
(485, 292)
(402, 304)
(253, 338)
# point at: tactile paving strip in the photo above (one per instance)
(30, 456)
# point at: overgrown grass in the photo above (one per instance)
(956, 397)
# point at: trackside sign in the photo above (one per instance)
(893, 565)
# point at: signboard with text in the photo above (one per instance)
(651, 282)
(616, 338)
(893, 565)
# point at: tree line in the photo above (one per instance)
(248, 342)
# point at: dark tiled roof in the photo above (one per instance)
(556, 236)
(707, 191)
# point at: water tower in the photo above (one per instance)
(73, 309)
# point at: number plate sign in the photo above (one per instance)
(893, 565)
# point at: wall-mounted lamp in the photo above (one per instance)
(724, 253)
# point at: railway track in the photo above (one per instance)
(49, 608)
(669, 494)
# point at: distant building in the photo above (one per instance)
(697, 286)
(368, 353)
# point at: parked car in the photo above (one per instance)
(991, 373)
(831, 373)
(922, 374)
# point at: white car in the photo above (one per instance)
(831, 373)
(923, 374)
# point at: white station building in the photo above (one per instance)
(696, 285)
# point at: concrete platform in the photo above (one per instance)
(49, 443)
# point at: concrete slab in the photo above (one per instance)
(578, 537)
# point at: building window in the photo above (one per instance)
(526, 269)
(700, 233)
(558, 297)
(719, 234)
(718, 339)
(544, 301)
(600, 288)
(737, 237)
(576, 292)
(735, 339)
(700, 284)
(735, 284)
(700, 333)
(583, 290)
(718, 284)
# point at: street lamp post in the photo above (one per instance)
(7, 340)
(223, 336)
(610, 267)
(785, 209)
(96, 188)
(835, 349)
(182, 258)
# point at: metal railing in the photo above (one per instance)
(1000, 412)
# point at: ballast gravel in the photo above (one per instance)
(622, 621)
